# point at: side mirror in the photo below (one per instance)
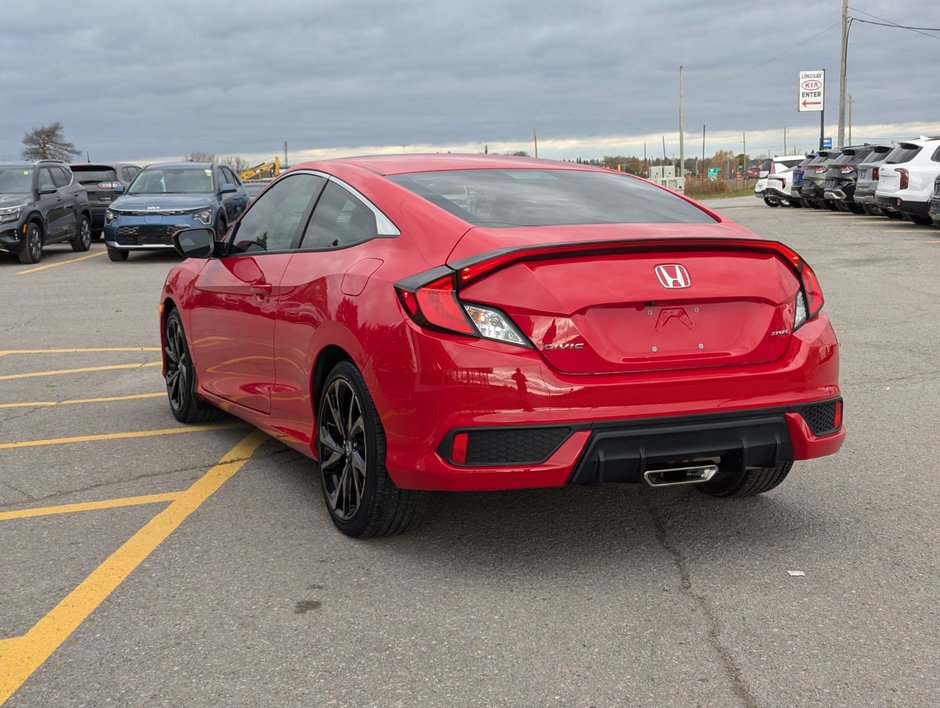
(47, 189)
(119, 188)
(228, 188)
(194, 243)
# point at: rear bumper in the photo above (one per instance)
(525, 425)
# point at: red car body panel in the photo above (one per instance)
(258, 326)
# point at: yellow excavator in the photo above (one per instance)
(266, 170)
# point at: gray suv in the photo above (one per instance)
(41, 203)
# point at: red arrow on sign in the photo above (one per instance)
(811, 103)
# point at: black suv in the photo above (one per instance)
(100, 181)
(40, 203)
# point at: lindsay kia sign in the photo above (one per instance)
(812, 93)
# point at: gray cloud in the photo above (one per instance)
(161, 79)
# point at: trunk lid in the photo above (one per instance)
(654, 305)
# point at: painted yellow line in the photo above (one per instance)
(88, 506)
(119, 436)
(22, 656)
(8, 352)
(63, 372)
(60, 263)
(76, 401)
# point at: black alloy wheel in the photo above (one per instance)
(82, 240)
(32, 246)
(360, 497)
(180, 376)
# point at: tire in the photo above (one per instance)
(771, 201)
(180, 376)
(220, 229)
(82, 240)
(32, 247)
(892, 214)
(749, 483)
(796, 203)
(360, 497)
(855, 208)
(117, 256)
(921, 220)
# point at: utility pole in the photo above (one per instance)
(535, 139)
(703, 149)
(285, 155)
(785, 140)
(851, 101)
(681, 129)
(744, 154)
(842, 69)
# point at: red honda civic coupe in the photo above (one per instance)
(445, 322)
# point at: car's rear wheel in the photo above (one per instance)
(180, 376)
(771, 201)
(755, 480)
(32, 246)
(360, 497)
(116, 255)
(892, 214)
(921, 220)
(82, 240)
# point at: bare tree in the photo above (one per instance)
(48, 143)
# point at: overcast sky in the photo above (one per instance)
(153, 80)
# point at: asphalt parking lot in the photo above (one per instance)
(145, 562)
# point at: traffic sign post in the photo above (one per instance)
(812, 96)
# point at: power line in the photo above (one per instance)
(786, 51)
(888, 23)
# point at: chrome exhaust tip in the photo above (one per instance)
(680, 475)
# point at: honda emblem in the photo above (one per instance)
(673, 275)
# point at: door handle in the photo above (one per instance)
(261, 288)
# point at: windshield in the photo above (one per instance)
(173, 180)
(16, 180)
(534, 197)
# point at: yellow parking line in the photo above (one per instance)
(60, 263)
(93, 350)
(118, 436)
(75, 401)
(20, 657)
(62, 372)
(88, 506)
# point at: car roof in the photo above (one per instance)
(99, 165)
(403, 164)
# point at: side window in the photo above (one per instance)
(340, 219)
(229, 176)
(936, 155)
(45, 178)
(61, 176)
(272, 221)
(128, 174)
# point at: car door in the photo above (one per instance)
(234, 203)
(73, 196)
(236, 296)
(57, 209)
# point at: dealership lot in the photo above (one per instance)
(147, 562)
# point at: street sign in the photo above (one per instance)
(812, 91)
(826, 143)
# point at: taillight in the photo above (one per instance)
(783, 183)
(847, 169)
(874, 173)
(435, 304)
(109, 185)
(821, 169)
(905, 178)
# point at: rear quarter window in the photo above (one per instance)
(538, 197)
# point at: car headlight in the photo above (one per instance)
(110, 216)
(11, 213)
(203, 216)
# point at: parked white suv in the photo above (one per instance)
(779, 189)
(771, 166)
(906, 178)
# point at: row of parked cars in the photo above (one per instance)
(897, 180)
(133, 208)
